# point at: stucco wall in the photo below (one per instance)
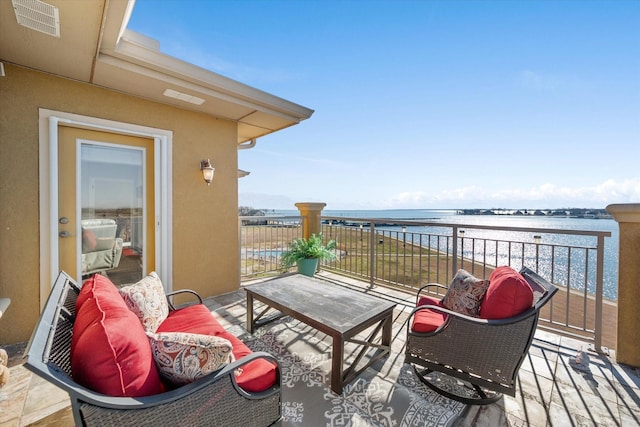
(628, 345)
(205, 242)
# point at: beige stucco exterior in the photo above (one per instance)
(311, 213)
(204, 218)
(628, 345)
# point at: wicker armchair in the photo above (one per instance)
(483, 355)
(214, 400)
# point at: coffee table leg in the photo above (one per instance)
(336, 364)
(250, 312)
(386, 330)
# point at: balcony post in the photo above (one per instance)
(311, 213)
(628, 218)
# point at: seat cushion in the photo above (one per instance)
(427, 320)
(465, 294)
(147, 300)
(508, 295)
(110, 352)
(256, 376)
(195, 319)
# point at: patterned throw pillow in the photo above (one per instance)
(183, 357)
(148, 301)
(465, 294)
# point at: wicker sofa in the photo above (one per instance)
(485, 352)
(224, 397)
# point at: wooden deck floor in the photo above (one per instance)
(550, 393)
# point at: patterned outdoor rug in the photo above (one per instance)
(386, 394)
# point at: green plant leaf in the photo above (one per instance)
(312, 247)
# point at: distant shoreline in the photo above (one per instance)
(579, 213)
(558, 213)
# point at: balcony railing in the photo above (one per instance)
(409, 254)
(262, 240)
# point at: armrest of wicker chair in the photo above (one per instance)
(170, 296)
(4, 304)
(450, 315)
(543, 291)
(428, 288)
(458, 319)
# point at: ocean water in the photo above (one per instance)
(563, 223)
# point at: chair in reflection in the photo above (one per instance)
(101, 249)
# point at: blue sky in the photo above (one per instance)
(427, 104)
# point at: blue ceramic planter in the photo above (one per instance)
(308, 266)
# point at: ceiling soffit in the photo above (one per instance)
(249, 105)
(70, 55)
(113, 73)
(95, 47)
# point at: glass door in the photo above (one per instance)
(106, 207)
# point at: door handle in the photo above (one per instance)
(64, 233)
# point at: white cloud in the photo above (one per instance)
(610, 191)
(266, 201)
(408, 197)
(544, 196)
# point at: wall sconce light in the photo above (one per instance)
(207, 171)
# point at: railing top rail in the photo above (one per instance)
(271, 217)
(470, 226)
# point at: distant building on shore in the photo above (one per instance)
(568, 213)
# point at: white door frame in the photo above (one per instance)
(49, 121)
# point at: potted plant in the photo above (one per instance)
(306, 253)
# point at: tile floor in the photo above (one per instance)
(550, 391)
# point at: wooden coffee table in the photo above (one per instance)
(337, 311)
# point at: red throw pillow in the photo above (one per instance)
(428, 320)
(89, 241)
(110, 352)
(97, 285)
(508, 295)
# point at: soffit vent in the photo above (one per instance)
(183, 96)
(37, 15)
